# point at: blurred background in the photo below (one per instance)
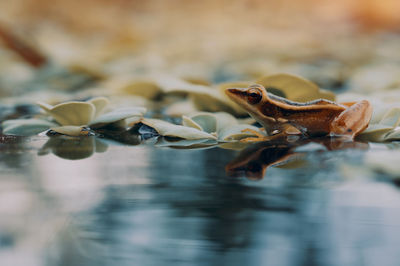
(235, 39)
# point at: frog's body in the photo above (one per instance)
(315, 118)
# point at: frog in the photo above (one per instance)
(315, 118)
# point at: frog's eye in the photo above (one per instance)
(254, 95)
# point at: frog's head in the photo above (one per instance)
(251, 99)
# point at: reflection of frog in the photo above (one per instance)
(316, 118)
(253, 161)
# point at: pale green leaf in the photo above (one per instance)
(71, 113)
(393, 135)
(375, 132)
(26, 127)
(100, 103)
(203, 121)
(73, 131)
(237, 132)
(186, 143)
(171, 130)
(188, 122)
(117, 115)
(224, 120)
(391, 118)
(294, 88)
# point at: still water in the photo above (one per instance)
(100, 203)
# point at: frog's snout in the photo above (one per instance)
(232, 92)
(236, 90)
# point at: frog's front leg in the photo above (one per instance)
(353, 120)
(284, 131)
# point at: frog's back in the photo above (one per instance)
(313, 119)
(304, 105)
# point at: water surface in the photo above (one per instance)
(103, 203)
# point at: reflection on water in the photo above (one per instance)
(254, 160)
(142, 205)
(73, 148)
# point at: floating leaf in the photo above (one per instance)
(117, 115)
(26, 127)
(374, 133)
(202, 121)
(237, 132)
(294, 88)
(221, 124)
(385, 129)
(391, 118)
(71, 113)
(171, 130)
(180, 108)
(205, 98)
(100, 103)
(187, 144)
(209, 122)
(74, 131)
(145, 88)
(188, 122)
(224, 120)
(393, 135)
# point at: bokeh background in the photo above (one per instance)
(236, 39)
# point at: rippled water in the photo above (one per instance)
(110, 204)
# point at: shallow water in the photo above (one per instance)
(144, 205)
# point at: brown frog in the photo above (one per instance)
(315, 118)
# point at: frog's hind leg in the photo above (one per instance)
(353, 120)
(285, 130)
